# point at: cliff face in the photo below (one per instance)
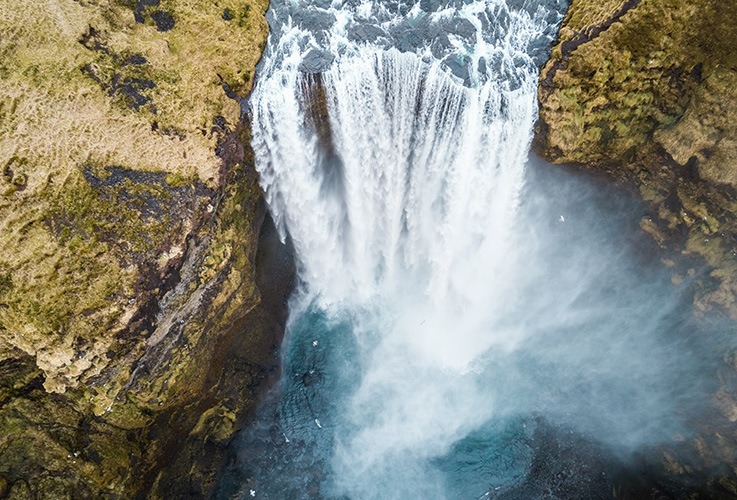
(646, 90)
(130, 216)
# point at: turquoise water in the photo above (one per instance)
(287, 450)
(611, 363)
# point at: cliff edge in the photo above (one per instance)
(130, 217)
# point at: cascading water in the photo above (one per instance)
(420, 176)
(433, 321)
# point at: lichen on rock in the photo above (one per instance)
(645, 90)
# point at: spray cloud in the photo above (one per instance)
(451, 290)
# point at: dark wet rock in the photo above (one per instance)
(311, 377)
(246, 362)
(163, 19)
(136, 59)
(123, 77)
(462, 28)
(313, 19)
(482, 65)
(144, 194)
(400, 7)
(133, 89)
(409, 40)
(430, 5)
(440, 45)
(459, 66)
(141, 7)
(130, 89)
(316, 61)
(365, 32)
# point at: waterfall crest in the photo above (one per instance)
(394, 170)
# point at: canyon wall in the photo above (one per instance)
(142, 287)
(137, 314)
(646, 91)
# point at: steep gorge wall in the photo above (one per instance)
(646, 90)
(134, 324)
(134, 331)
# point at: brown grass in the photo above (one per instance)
(56, 119)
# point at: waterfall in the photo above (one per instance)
(436, 314)
(396, 170)
(387, 169)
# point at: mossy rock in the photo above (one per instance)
(623, 70)
(645, 90)
(129, 222)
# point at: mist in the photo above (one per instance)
(456, 295)
(398, 396)
(575, 326)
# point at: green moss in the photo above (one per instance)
(653, 91)
(645, 67)
(176, 180)
(107, 165)
(216, 423)
(130, 213)
(56, 288)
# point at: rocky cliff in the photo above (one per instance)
(646, 90)
(136, 320)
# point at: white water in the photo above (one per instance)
(416, 203)
(404, 211)
(408, 222)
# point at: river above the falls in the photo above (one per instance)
(470, 322)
